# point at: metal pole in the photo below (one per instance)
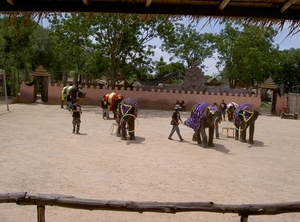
(5, 90)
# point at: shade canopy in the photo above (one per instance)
(246, 9)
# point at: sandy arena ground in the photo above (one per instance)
(39, 154)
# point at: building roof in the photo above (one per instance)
(269, 84)
(156, 81)
(40, 71)
(270, 10)
(212, 82)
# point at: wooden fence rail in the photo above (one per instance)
(244, 210)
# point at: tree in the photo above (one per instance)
(73, 45)
(15, 50)
(289, 71)
(187, 45)
(125, 41)
(114, 46)
(246, 54)
(162, 68)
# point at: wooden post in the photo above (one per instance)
(244, 218)
(75, 79)
(64, 79)
(40, 213)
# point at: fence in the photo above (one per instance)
(244, 210)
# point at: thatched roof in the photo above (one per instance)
(212, 82)
(40, 71)
(162, 79)
(269, 84)
(263, 12)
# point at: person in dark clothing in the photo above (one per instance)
(69, 101)
(223, 107)
(104, 106)
(76, 110)
(217, 121)
(175, 122)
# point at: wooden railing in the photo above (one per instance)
(244, 210)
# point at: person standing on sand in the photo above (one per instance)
(216, 122)
(69, 101)
(76, 110)
(223, 107)
(104, 106)
(175, 122)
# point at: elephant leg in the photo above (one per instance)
(236, 132)
(194, 138)
(115, 113)
(251, 133)
(252, 127)
(204, 138)
(131, 128)
(118, 134)
(198, 137)
(211, 136)
(123, 126)
(243, 135)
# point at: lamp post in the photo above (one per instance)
(2, 72)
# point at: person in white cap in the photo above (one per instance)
(175, 122)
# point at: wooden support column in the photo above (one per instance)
(24, 75)
(244, 218)
(41, 213)
(75, 79)
(86, 79)
(64, 79)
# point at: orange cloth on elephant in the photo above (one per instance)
(111, 98)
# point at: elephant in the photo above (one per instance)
(126, 114)
(243, 117)
(203, 115)
(113, 100)
(75, 93)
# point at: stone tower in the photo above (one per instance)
(194, 79)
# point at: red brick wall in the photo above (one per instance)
(164, 100)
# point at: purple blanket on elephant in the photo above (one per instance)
(247, 115)
(194, 119)
(127, 104)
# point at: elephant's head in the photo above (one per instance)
(128, 107)
(80, 93)
(230, 113)
(246, 117)
(231, 109)
(211, 115)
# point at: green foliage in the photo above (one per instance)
(187, 45)
(117, 47)
(246, 54)
(289, 69)
(15, 47)
(162, 68)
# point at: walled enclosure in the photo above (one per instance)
(160, 100)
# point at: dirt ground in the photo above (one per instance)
(39, 154)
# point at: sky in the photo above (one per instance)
(282, 40)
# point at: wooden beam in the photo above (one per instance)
(244, 210)
(139, 8)
(11, 2)
(148, 2)
(41, 213)
(287, 5)
(86, 2)
(223, 4)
